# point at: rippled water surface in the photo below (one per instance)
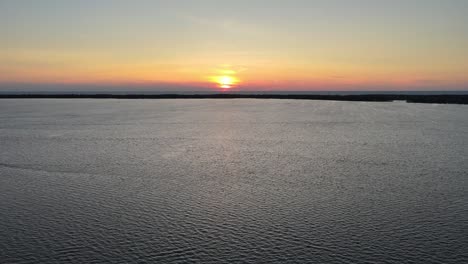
(213, 181)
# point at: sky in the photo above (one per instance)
(293, 45)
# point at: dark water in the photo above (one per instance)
(238, 181)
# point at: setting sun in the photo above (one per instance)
(226, 82)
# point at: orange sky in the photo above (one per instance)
(241, 45)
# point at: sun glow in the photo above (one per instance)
(225, 81)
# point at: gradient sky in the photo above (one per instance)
(258, 44)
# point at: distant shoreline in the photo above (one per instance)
(410, 98)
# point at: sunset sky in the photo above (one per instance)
(288, 45)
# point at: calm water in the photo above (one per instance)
(212, 181)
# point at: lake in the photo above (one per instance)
(232, 181)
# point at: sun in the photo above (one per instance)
(224, 78)
(225, 81)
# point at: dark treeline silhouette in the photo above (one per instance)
(432, 99)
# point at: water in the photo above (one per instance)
(213, 181)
